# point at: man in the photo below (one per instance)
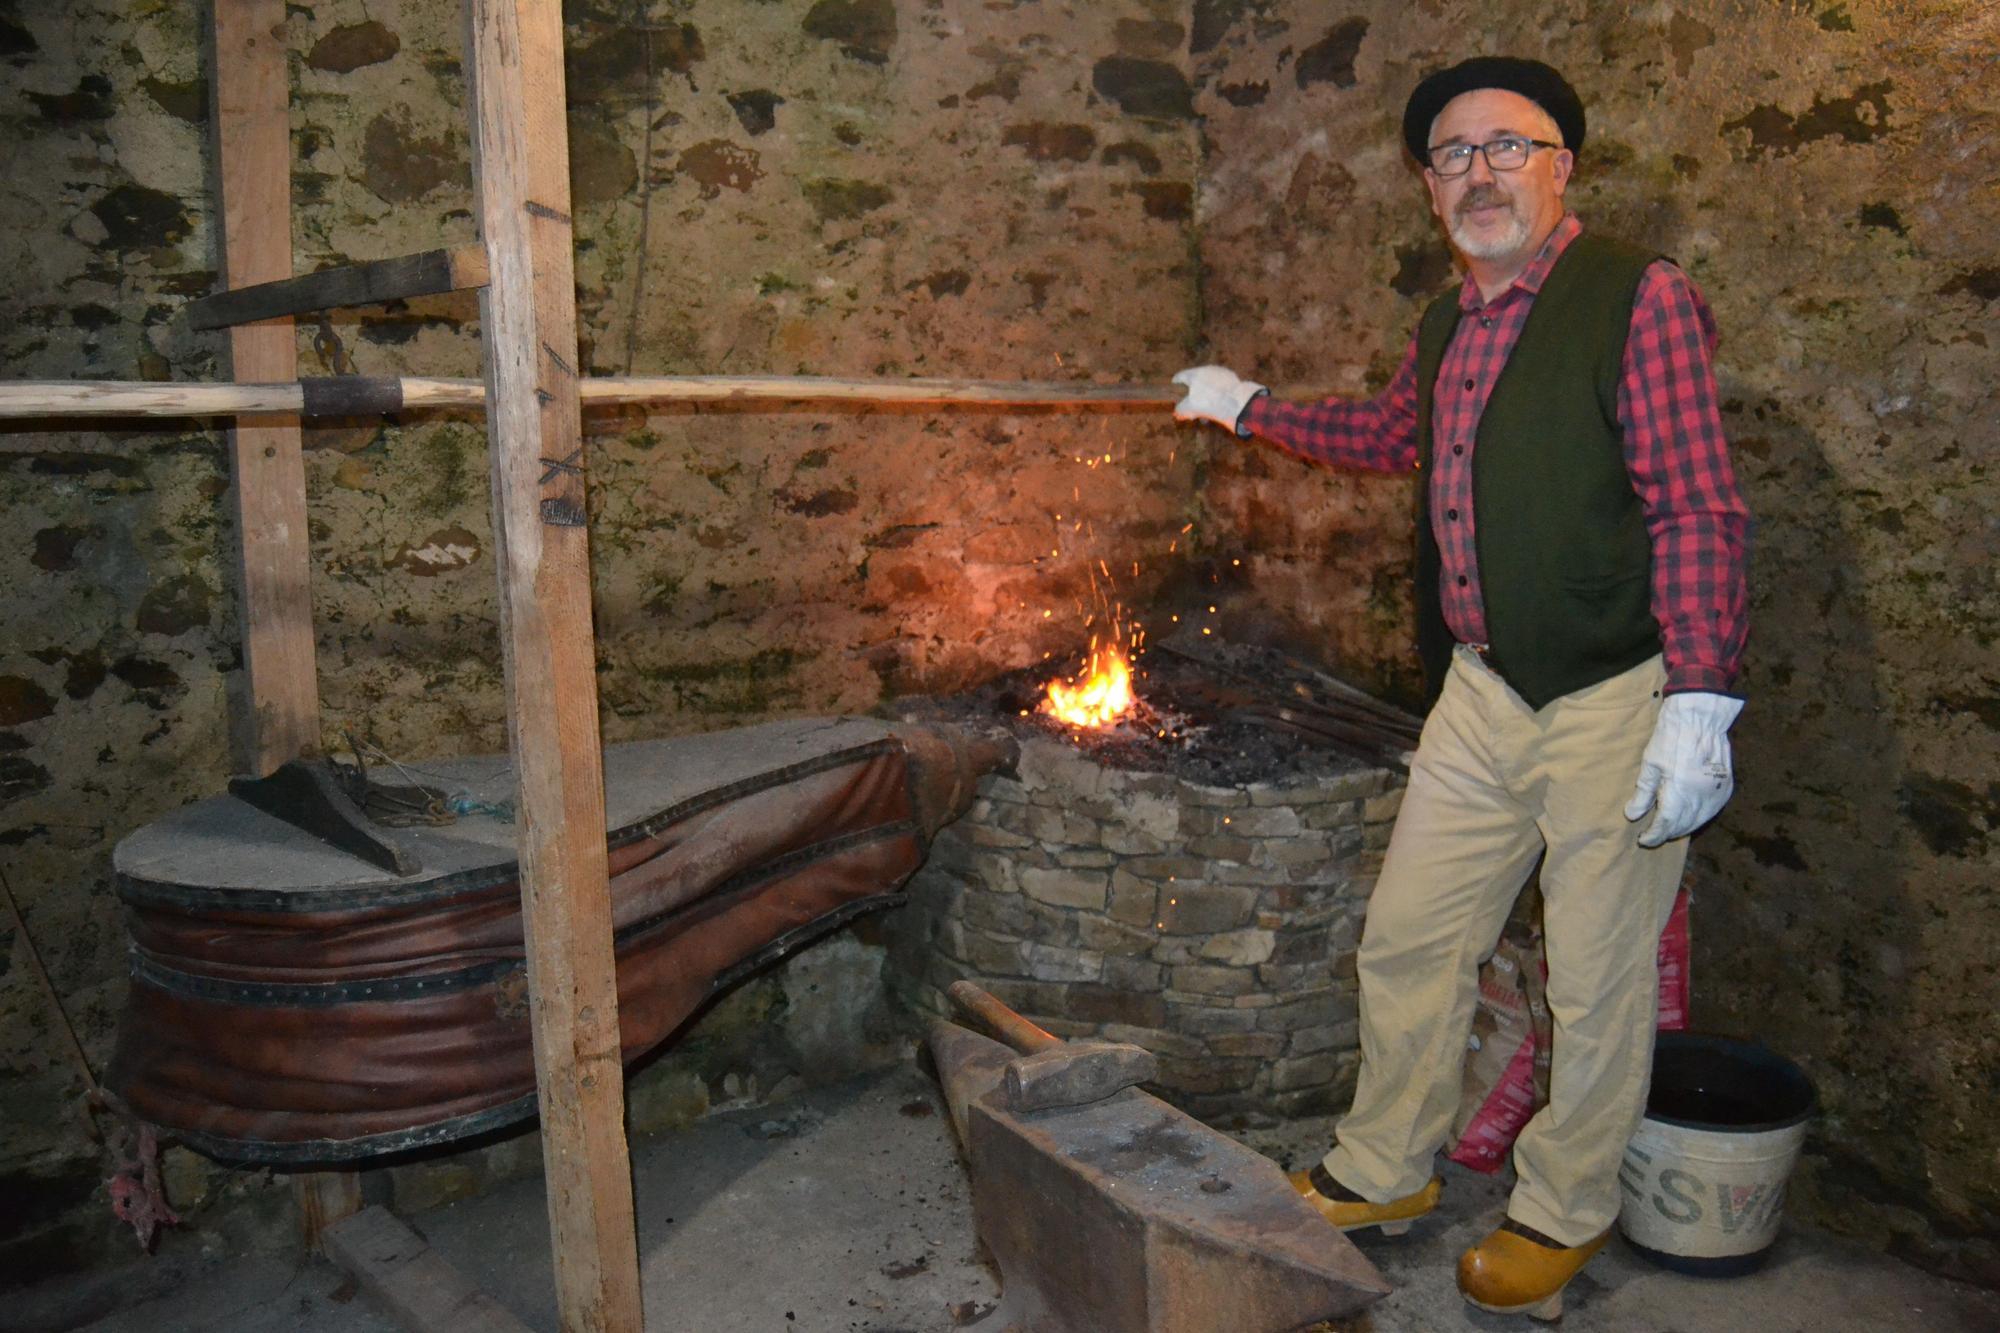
(1581, 558)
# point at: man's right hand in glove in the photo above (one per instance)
(1214, 393)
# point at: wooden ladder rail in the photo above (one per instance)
(522, 178)
(542, 553)
(253, 142)
(280, 721)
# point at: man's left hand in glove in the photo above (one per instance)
(1686, 769)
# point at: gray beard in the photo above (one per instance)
(1506, 243)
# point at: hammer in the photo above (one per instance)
(1051, 1072)
(1108, 1211)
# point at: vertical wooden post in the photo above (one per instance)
(324, 1198)
(253, 143)
(254, 152)
(528, 311)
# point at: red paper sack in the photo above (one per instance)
(1506, 1063)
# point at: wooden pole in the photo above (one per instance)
(528, 312)
(254, 150)
(324, 1198)
(131, 398)
(358, 395)
(252, 81)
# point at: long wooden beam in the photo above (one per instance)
(254, 146)
(364, 395)
(280, 719)
(542, 555)
(424, 274)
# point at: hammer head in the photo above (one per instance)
(1075, 1074)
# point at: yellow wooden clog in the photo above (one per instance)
(1394, 1217)
(1510, 1274)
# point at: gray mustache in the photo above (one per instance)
(1480, 197)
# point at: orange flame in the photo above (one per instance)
(1100, 698)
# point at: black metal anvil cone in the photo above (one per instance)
(1123, 1215)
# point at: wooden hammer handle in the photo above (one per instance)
(1001, 1021)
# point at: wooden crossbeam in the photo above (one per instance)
(541, 545)
(424, 274)
(361, 395)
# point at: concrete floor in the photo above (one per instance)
(847, 1210)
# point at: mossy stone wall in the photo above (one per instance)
(1828, 173)
(829, 187)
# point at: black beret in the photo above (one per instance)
(1530, 78)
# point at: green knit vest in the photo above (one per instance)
(1565, 563)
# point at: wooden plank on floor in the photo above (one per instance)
(412, 1282)
(424, 274)
(542, 556)
(254, 147)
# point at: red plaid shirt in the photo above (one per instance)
(1674, 450)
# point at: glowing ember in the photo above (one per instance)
(1100, 698)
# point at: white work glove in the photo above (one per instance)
(1686, 765)
(1214, 393)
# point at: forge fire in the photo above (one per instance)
(1101, 697)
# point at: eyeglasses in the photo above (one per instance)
(1509, 154)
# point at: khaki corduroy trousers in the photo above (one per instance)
(1493, 784)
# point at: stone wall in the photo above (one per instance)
(834, 187)
(1046, 190)
(1827, 172)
